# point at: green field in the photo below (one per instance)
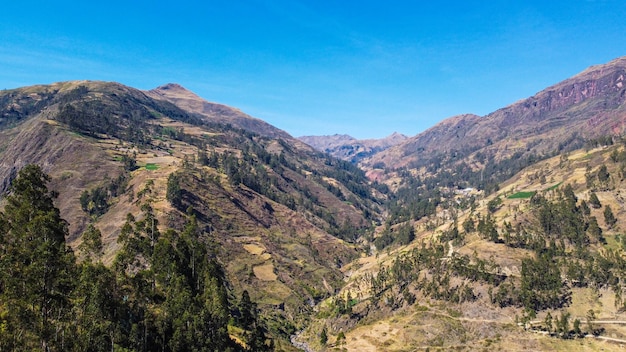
(152, 166)
(522, 195)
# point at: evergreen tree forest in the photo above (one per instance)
(164, 292)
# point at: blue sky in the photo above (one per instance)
(364, 68)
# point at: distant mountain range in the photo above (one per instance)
(346, 147)
(559, 117)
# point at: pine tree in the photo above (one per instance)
(247, 311)
(594, 201)
(603, 174)
(609, 218)
(585, 208)
(577, 329)
(324, 336)
(97, 304)
(468, 225)
(91, 247)
(594, 230)
(174, 193)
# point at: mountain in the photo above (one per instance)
(588, 105)
(490, 238)
(532, 266)
(501, 232)
(349, 148)
(190, 102)
(280, 217)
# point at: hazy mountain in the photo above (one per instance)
(349, 148)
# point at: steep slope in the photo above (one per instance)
(214, 112)
(499, 207)
(537, 265)
(282, 217)
(349, 148)
(587, 105)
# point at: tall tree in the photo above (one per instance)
(603, 173)
(594, 201)
(609, 217)
(38, 266)
(323, 336)
(91, 247)
(174, 193)
(541, 286)
(97, 306)
(594, 230)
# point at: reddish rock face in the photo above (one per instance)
(589, 104)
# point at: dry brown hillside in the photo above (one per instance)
(458, 289)
(281, 217)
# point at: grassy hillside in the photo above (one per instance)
(281, 217)
(489, 272)
(515, 244)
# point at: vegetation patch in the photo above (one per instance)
(254, 249)
(265, 272)
(553, 187)
(152, 166)
(522, 195)
(530, 194)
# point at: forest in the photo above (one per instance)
(164, 292)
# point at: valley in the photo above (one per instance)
(500, 232)
(393, 324)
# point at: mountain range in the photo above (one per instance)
(349, 148)
(334, 236)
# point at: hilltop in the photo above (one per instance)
(220, 113)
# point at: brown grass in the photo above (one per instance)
(254, 248)
(265, 272)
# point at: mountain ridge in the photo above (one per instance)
(190, 101)
(590, 103)
(282, 218)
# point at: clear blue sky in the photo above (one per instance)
(365, 68)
